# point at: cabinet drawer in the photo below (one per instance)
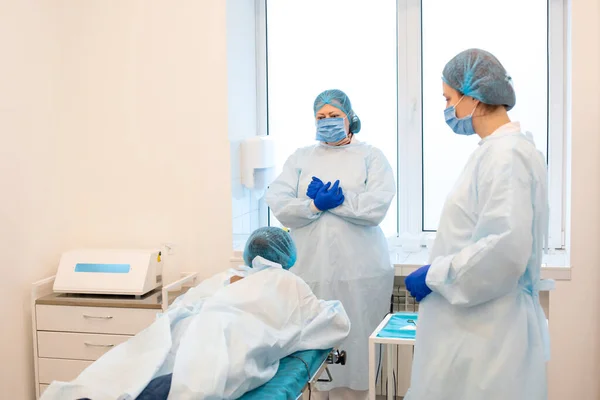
(120, 321)
(77, 346)
(54, 369)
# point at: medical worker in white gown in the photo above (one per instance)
(333, 195)
(220, 340)
(482, 333)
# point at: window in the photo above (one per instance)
(389, 60)
(316, 45)
(522, 49)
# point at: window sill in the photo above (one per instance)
(555, 264)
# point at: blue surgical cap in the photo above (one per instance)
(339, 100)
(273, 244)
(478, 74)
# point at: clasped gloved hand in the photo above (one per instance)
(314, 187)
(416, 283)
(328, 198)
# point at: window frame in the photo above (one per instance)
(262, 91)
(409, 200)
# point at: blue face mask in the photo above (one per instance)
(460, 126)
(331, 130)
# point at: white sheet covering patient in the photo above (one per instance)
(219, 340)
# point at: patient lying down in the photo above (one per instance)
(224, 337)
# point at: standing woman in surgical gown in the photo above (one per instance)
(333, 195)
(482, 333)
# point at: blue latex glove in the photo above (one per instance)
(329, 198)
(416, 285)
(314, 187)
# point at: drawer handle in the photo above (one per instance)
(98, 345)
(96, 317)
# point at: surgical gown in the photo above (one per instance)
(342, 253)
(233, 340)
(482, 333)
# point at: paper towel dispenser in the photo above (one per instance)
(257, 162)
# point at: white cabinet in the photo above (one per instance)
(60, 370)
(76, 346)
(120, 321)
(70, 332)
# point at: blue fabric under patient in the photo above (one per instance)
(291, 377)
(288, 382)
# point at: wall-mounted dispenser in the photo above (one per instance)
(258, 163)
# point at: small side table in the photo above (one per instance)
(398, 329)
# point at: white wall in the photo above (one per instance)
(113, 119)
(575, 305)
(32, 214)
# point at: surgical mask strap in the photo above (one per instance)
(474, 108)
(461, 99)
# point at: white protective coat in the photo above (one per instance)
(342, 253)
(233, 339)
(482, 333)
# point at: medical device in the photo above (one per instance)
(115, 272)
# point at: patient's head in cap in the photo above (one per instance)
(273, 244)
